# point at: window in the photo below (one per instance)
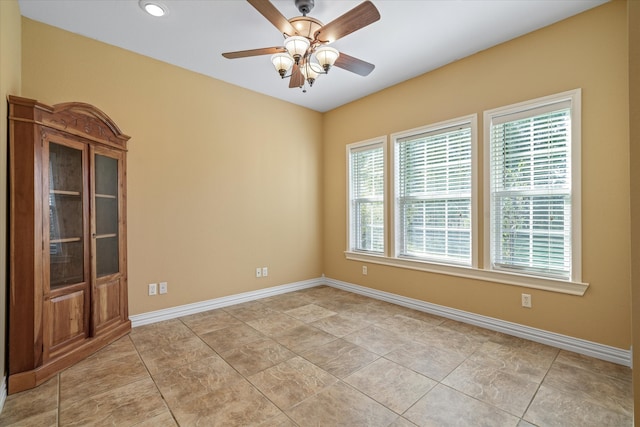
(533, 162)
(433, 193)
(366, 196)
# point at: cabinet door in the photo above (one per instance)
(109, 297)
(66, 227)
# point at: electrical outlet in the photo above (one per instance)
(258, 272)
(153, 289)
(265, 271)
(526, 300)
(364, 270)
(164, 288)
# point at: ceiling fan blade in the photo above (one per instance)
(297, 79)
(254, 52)
(273, 15)
(358, 17)
(354, 65)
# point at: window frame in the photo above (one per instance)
(374, 143)
(469, 121)
(529, 109)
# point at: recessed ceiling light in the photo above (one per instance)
(153, 8)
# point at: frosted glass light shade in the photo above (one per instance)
(282, 62)
(326, 57)
(310, 71)
(296, 46)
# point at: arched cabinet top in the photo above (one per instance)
(77, 118)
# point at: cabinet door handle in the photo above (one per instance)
(93, 235)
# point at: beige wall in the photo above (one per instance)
(218, 182)
(588, 51)
(10, 66)
(634, 134)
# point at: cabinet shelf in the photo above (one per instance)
(106, 196)
(64, 193)
(106, 236)
(67, 240)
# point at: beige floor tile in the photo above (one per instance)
(256, 356)
(127, 405)
(532, 366)
(445, 407)
(303, 338)
(402, 422)
(376, 339)
(490, 385)
(239, 404)
(428, 360)
(428, 318)
(163, 419)
(341, 405)
(367, 313)
(248, 311)
(551, 407)
(286, 301)
(94, 376)
(594, 365)
(354, 356)
(208, 321)
(159, 334)
(292, 381)
(175, 354)
(339, 326)
(309, 313)
(405, 326)
(274, 323)
(450, 340)
(230, 338)
(612, 393)
(195, 379)
(340, 358)
(30, 403)
(393, 385)
(475, 332)
(45, 419)
(279, 421)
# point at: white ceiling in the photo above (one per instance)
(411, 38)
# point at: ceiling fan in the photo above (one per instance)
(306, 53)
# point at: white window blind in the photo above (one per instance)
(366, 170)
(433, 195)
(531, 190)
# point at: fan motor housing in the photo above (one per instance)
(304, 6)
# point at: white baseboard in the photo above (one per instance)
(198, 307)
(3, 392)
(577, 345)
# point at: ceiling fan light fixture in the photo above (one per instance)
(326, 57)
(310, 71)
(282, 62)
(153, 8)
(297, 47)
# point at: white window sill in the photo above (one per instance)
(547, 284)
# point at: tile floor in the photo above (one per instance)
(325, 357)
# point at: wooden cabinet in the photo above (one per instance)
(67, 215)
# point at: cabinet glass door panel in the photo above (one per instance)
(66, 243)
(106, 215)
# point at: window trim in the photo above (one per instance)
(478, 270)
(372, 143)
(469, 120)
(521, 108)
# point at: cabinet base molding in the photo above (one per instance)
(29, 379)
